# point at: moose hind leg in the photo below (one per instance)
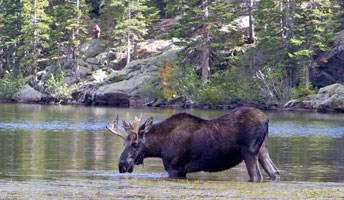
(252, 167)
(267, 164)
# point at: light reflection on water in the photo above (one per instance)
(45, 142)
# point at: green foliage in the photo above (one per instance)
(68, 27)
(57, 87)
(184, 81)
(314, 30)
(270, 81)
(224, 87)
(10, 83)
(34, 35)
(209, 94)
(235, 85)
(291, 33)
(205, 29)
(152, 89)
(128, 21)
(302, 91)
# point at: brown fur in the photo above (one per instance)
(187, 143)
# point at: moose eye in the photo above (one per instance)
(134, 144)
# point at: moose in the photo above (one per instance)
(187, 143)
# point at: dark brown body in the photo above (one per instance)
(187, 143)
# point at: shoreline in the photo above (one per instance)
(272, 107)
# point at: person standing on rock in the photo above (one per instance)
(96, 31)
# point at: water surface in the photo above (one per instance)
(47, 145)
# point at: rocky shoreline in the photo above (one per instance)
(99, 77)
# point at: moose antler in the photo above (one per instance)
(137, 123)
(114, 128)
(133, 127)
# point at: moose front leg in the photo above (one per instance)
(175, 173)
(173, 170)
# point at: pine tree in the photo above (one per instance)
(175, 7)
(313, 33)
(34, 34)
(9, 32)
(132, 23)
(68, 27)
(293, 33)
(204, 28)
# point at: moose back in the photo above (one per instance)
(187, 143)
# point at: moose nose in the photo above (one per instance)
(123, 167)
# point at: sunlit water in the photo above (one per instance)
(44, 143)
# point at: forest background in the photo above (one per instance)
(269, 60)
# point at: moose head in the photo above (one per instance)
(134, 142)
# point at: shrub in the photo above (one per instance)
(184, 81)
(271, 83)
(153, 89)
(57, 87)
(210, 94)
(302, 91)
(168, 92)
(10, 83)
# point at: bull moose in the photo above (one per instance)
(187, 143)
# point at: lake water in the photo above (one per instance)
(45, 149)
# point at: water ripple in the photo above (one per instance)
(53, 126)
(293, 129)
(277, 129)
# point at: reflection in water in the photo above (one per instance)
(45, 142)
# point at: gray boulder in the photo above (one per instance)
(126, 85)
(328, 99)
(27, 95)
(92, 48)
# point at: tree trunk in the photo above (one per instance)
(205, 59)
(251, 34)
(128, 48)
(110, 26)
(34, 42)
(285, 22)
(128, 36)
(307, 75)
(205, 64)
(292, 23)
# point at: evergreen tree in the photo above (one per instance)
(205, 28)
(313, 33)
(34, 35)
(175, 7)
(131, 26)
(9, 31)
(293, 33)
(68, 27)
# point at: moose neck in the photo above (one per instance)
(155, 142)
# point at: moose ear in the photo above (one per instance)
(148, 124)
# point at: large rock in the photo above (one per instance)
(151, 48)
(121, 93)
(328, 99)
(92, 48)
(330, 65)
(27, 95)
(127, 85)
